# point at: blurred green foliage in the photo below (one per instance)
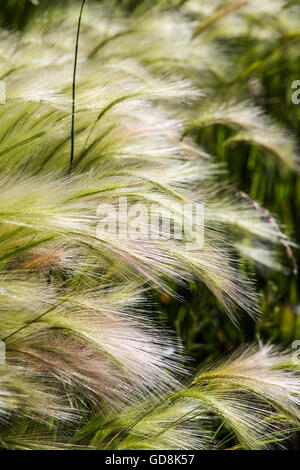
(14, 13)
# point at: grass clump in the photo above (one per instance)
(90, 363)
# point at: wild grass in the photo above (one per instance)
(89, 362)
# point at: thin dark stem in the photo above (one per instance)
(74, 91)
(30, 323)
